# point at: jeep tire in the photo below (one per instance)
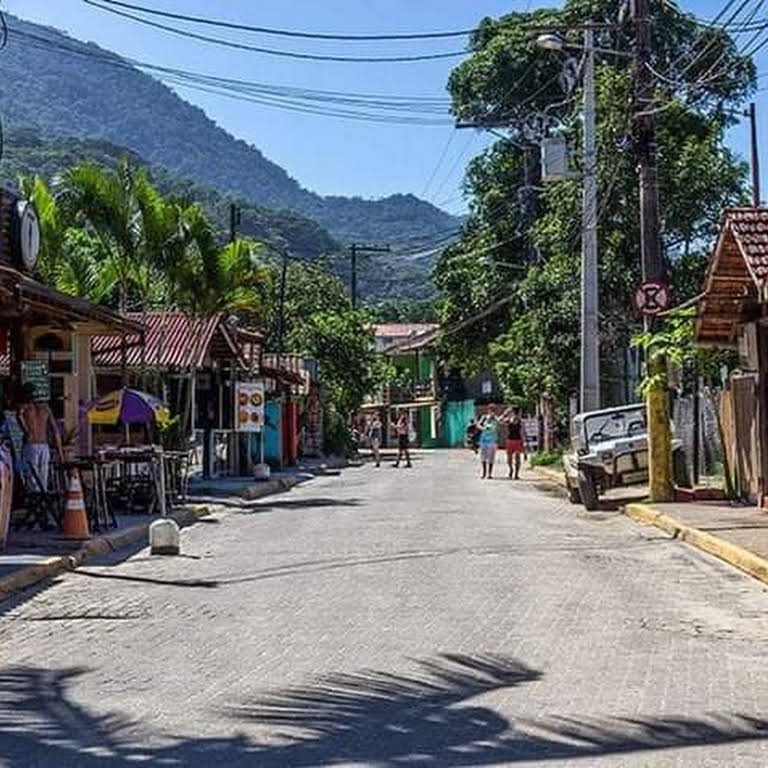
(573, 493)
(588, 491)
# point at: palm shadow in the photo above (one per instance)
(370, 717)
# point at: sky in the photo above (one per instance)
(329, 155)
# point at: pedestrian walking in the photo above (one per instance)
(489, 441)
(515, 444)
(403, 429)
(375, 430)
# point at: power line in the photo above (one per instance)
(288, 32)
(272, 51)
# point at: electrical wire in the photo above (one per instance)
(287, 32)
(274, 52)
(372, 107)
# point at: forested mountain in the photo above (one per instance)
(381, 276)
(66, 88)
(27, 153)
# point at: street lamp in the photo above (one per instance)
(590, 331)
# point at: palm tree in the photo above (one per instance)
(207, 279)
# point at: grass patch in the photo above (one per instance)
(553, 459)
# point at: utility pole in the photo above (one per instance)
(659, 433)
(590, 328)
(752, 114)
(354, 250)
(234, 221)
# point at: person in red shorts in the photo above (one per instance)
(515, 444)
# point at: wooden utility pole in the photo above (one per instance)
(354, 250)
(659, 432)
(752, 114)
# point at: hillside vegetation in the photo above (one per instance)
(66, 88)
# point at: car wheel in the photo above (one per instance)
(588, 491)
(573, 493)
(680, 469)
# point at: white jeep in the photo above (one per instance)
(609, 449)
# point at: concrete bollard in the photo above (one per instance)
(261, 472)
(164, 537)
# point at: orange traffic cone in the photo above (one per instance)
(75, 523)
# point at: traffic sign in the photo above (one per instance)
(652, 298)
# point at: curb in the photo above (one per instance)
(737, 556)
(550, 475)
(111, 542)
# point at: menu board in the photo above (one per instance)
(35, 372)
(249, 406)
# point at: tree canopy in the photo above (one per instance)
(521, 243)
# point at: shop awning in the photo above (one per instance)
(25, 299)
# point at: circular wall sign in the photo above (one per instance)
(29, 233)
(652, 298)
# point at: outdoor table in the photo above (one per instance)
(100, 514)
(129, 460)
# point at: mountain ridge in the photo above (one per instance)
(68, 88)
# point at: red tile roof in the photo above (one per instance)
(402, 330)
(172, 340)
(750, 229)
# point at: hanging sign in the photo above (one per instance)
(249, 406)
(652, 298)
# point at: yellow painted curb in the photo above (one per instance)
(737, 556)
(551, 475)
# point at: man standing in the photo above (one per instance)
(402, 428)
(489, 441)
(35, 417)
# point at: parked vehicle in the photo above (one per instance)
(609, 449)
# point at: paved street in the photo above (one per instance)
(382, 617)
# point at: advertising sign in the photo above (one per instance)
(249, 406)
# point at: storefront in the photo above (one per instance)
(47, 341)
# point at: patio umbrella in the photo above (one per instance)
(129, 406)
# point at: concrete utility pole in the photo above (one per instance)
(589, 390)
(590, 328)
(659, 433)
(354, 250)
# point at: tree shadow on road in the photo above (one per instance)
(370, 718)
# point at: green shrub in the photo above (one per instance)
(547, 459)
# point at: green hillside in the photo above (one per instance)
(71, 89)
(385, 276)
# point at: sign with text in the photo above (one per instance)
(249, 406)
(35, 373)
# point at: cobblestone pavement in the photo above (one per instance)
(393, 617)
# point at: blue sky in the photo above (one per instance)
(327, 155)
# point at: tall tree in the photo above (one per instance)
(532, 339)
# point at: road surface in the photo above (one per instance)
(388, 617)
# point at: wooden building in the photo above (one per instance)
(733, 314)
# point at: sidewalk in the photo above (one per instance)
(33, 556)
(738, 535)
(234, 490)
